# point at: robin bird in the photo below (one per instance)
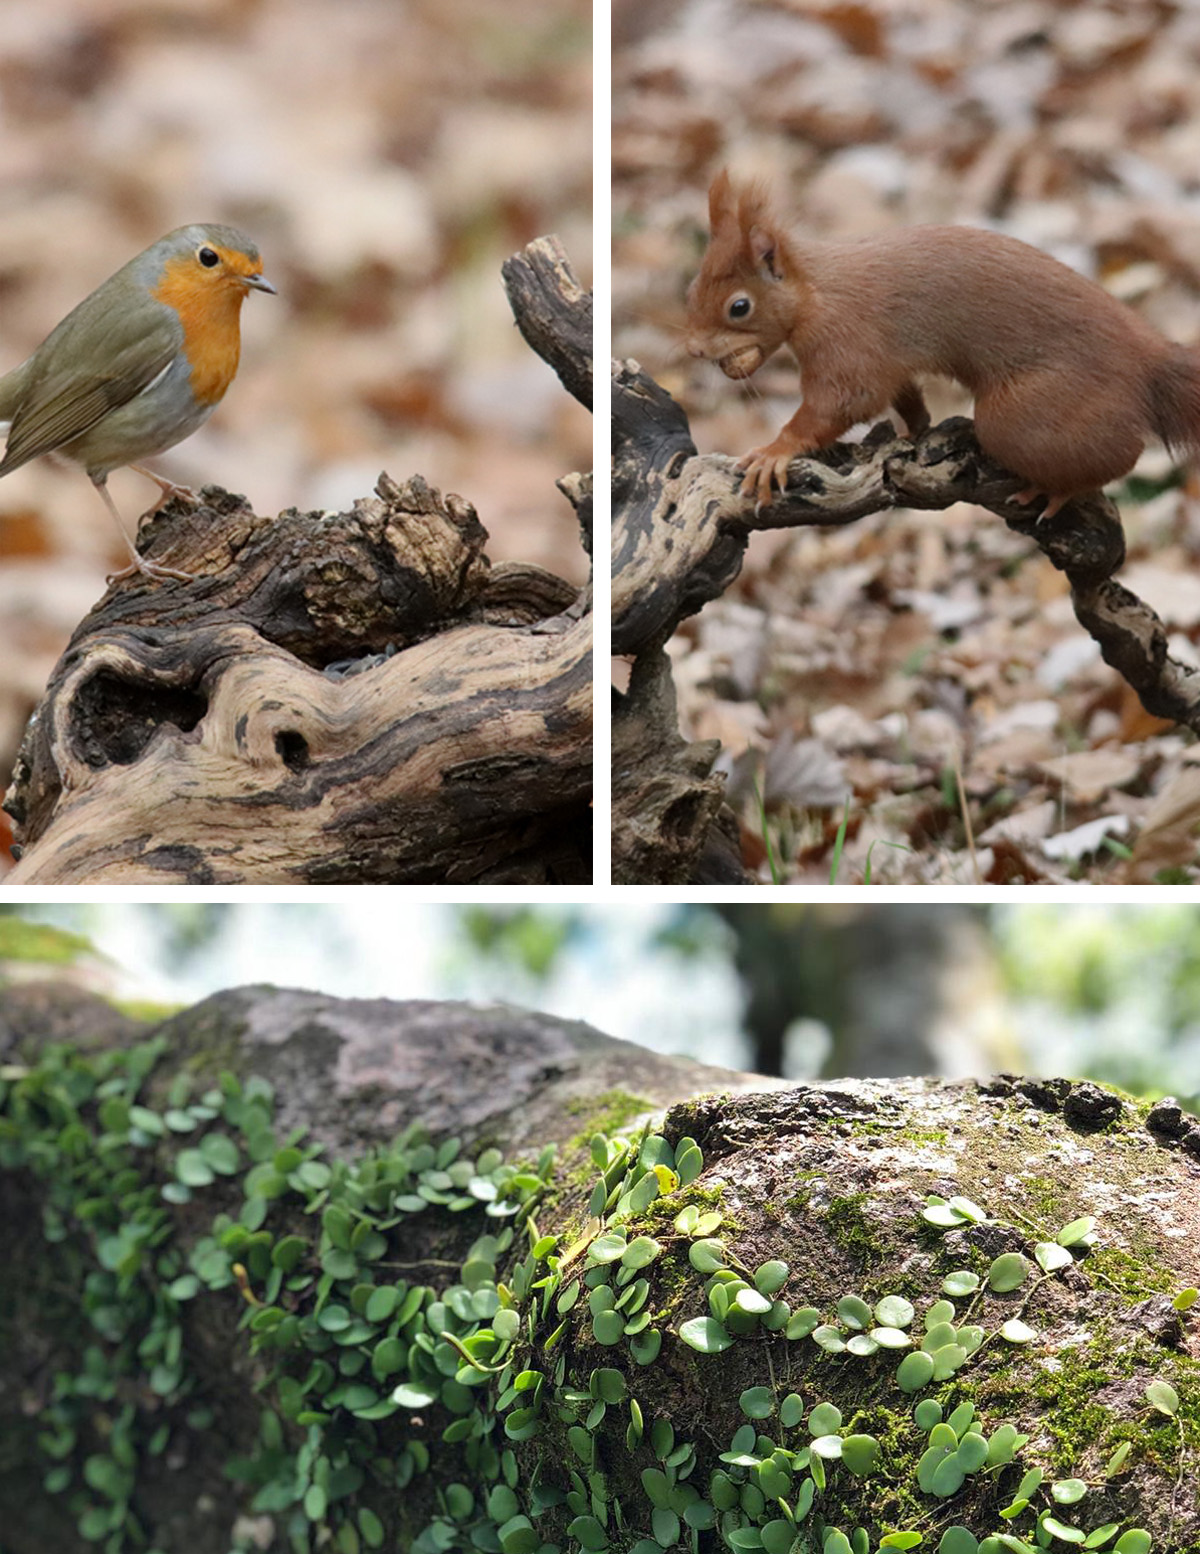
(138, 366)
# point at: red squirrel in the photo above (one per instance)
(1068, 382)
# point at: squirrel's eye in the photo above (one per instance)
(740, 307)
(208, 257)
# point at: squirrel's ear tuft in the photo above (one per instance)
(722, 204)
(763, 243)
(754, 207)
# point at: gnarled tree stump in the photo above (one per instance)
(334, 699)
(680, 529)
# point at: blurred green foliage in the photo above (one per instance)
(533, 938)
(1109, 992)
(1090, 958)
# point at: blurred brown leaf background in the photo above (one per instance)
(386, 156)
(892, 663)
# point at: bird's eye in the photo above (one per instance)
(208, 257)
(739, 308)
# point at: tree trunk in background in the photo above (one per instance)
(829, 1180)
(911, 992)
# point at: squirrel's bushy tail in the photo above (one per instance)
(1174, 390)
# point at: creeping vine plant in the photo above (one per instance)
(521, 1358)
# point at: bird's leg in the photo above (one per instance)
(168, 488)
(138, 563)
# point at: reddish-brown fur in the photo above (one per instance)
(1068, 382)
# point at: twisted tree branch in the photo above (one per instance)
(680, 529)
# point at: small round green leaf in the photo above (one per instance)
(641, 1252)
(770, 1277)
(915, 1371)
(518, 1536)
(705, 1334)
(972, 1452)
(707, 1256)
(506, 1324)
(860, 1453)
(853, 1311)
(587, 1532)
(193, 1169)
(894, 1311)
(948, 1477)
(371, 1528)
(221, 1153)
(757, 1403)
(608, 1327)
(1163, 1396)
(411, 1395)
(801, 1323)
(1051, 1256)
(1060, 1530)
(645, 1346)
(751, 1302)
(890, 1338)
(381, 1303)
(1007, 1272)
(791, 1410)
(665, 1526)
(608, 1385)
(779, 1536)
(824, 1419)
(943, 1216)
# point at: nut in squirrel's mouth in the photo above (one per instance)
(742, 362)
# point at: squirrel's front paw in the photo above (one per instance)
(765, 468)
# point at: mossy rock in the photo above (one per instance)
(566, 1428)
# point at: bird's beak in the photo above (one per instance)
(259, 282)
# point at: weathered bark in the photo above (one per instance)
(346, 699)
(670, 823)
(830, 1179)
(680, 528)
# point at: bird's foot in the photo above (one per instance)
(139, 565)
(169, 490)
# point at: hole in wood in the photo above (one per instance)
(293, 749)
(114, 719)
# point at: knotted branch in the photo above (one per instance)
(680, 529)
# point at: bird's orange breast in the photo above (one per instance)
(209, 308)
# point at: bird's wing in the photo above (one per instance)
(63, 402)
